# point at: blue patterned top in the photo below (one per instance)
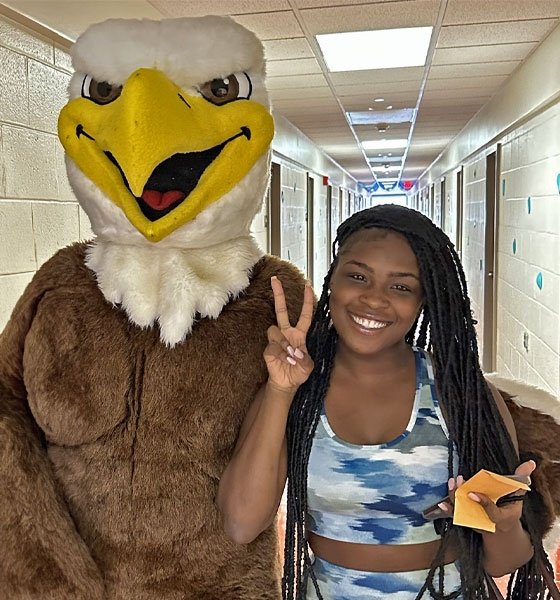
(375, 494)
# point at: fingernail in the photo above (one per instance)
(273, 277)
(298, 353)
(291, 360)
(443, 506)
(460, 480)
(291, 351)
(451, 484)
(473, 496)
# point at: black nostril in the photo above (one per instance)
(246, 132)
(184, 100)
(81, 131)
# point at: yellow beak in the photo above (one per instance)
(161, 155)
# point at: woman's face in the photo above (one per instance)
(376, 293)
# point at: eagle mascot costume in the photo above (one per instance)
(129, 362)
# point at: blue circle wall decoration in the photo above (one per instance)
(529, 205)
(558, 182)
(514, 246)
(539, 281)
(503, 187)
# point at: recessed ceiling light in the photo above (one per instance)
(390, 107)
(379, 49)
(403, 115)
(383, 160)
(379, 100)
(381, 144)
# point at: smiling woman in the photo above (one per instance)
(376, 408)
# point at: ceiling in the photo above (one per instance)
(476, 45)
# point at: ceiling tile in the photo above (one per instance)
(199, 8)
(295, 94)
(482, 54)
(499, 33)
(476, 70)
(383, 15)
(299, 66)
(488, 82)
(377, 76)
(287, 48)
(481, 11)
(330, 3)
(272, 25)
(296, 81)
(359, 103)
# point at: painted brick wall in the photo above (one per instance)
(38, 211)
(529, 253)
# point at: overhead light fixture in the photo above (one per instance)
(403, 115)
(389, 107)
(377, 49)
(384, 159)
(384, 144)
(379, 100)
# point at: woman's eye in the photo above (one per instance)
(357, 276)
(401, 288)
(236, 86)
(100, 92)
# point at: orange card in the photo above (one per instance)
(469, 513)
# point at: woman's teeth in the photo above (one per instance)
(369, 323)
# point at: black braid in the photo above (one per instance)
(445, 327)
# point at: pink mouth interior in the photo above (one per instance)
(161, 200)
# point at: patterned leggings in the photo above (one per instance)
(339, 583)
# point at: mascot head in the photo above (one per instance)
(168, 129)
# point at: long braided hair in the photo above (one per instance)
(445, 328)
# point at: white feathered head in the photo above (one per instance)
(168, 129)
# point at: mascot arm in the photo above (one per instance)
(41, 553)
(535, 414)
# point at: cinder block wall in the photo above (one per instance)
(529, 253)
(38, 211)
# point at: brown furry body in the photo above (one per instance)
(538, 435)
(112, 444)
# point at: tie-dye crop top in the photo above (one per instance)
(375, 494)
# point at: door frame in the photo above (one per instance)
(489, 331)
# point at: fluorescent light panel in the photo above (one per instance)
(383, 144)
(405, 115)
(377, 49)
(381, 160)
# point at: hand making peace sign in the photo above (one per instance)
(286, 356)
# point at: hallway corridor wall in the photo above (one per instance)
(38, 211)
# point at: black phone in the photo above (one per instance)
(433, 512)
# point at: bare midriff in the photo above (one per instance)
(383, 558)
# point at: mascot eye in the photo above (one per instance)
(233, 87)
(100, 92)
